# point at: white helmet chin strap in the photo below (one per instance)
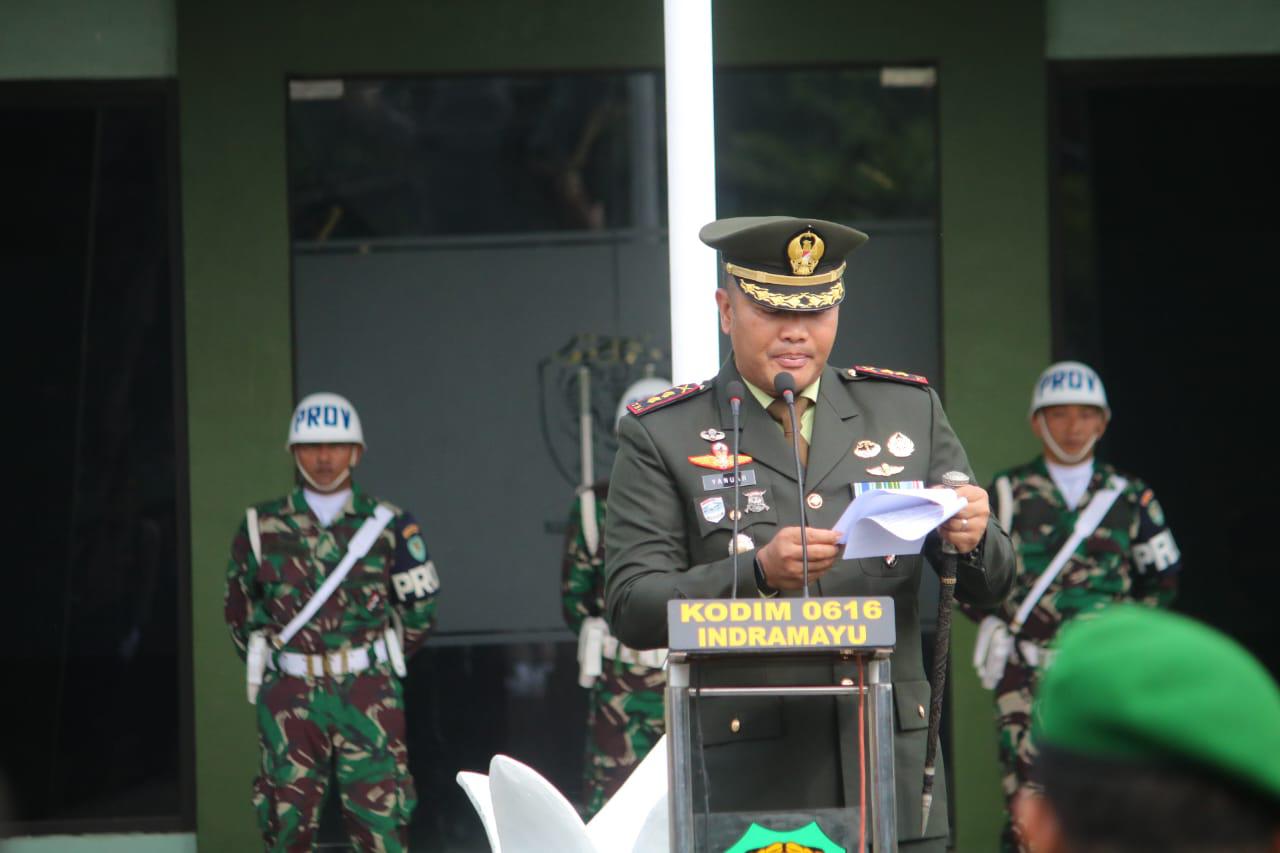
(1067, 458)
(338, 481)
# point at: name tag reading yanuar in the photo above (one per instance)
(780, 624)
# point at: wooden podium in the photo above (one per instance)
(773, 635)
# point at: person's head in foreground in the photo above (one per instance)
(1155, 733)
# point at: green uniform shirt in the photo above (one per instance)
(806, 420)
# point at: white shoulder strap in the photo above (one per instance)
(1004, 504)
(255, 535)
(1086, 523)
(360, 545)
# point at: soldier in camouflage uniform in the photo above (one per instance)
(625, 708)
(1130, 555)
(329, 700)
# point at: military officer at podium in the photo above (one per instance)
(671, 517)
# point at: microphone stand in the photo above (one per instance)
(735, 405)
(790, 397)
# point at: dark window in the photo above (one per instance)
(93, 631)
(1165, 225)
(851, 145)
(467, 155)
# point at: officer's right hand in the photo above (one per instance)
(781, 561)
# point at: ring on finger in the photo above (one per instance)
(964, 524)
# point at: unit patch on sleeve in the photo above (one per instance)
(413, 574)
(671, 395)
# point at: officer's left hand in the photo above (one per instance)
(966, 528)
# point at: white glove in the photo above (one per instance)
(255, 664)
(991, 650)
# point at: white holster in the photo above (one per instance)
(591, 649)
(256, 663)
(991, 650)
(393, 635)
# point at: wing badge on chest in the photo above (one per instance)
(719, 458)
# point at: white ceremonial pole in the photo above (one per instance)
(691, 189)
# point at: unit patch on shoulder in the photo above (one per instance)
(861, 371)
(671, 395)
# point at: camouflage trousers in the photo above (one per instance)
(1013, 730)
(352, 725)
(624, 721)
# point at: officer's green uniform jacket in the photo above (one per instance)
(660, 546)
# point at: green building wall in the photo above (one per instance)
(87, 39)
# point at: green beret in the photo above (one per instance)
(783, 262)
(1138, 684)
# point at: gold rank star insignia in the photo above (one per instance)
(900, 446)
(865, 449)
(884, 469)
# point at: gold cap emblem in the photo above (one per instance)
(805, 250)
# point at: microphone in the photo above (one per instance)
(785, 385)
(736, 392)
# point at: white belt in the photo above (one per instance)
(341, 662)
(652, 658)
(596, 644)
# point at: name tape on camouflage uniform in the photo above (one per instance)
(780, 624)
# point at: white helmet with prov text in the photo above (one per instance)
(1069, 383)
(325, 418)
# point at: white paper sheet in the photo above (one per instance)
(894, 521)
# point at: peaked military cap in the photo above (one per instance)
(1150, 686)
(783, 262)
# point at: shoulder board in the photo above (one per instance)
(865, 371)
(667, 397)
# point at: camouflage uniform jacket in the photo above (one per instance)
(298, 554)
(625, 707)
(582, 572)
(1130, 556)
